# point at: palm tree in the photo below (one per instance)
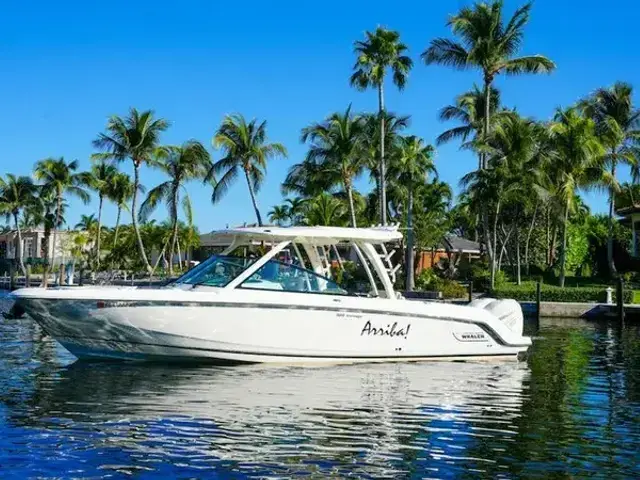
(489, 44)
(279, 215)
(381, 51)
(412, 162)
(618, 126)
(135, 137)
(191, 161)
(307, 179)
(579, 164)
(100, 179)
(469, 110)
(245, 148)
(296, 208)
(16, 195)
(335, 146)
(121, 192)
(87, 223)
(325, 210)
(60, 178)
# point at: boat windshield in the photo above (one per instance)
(217, 271)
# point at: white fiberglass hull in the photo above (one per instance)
(254, 327)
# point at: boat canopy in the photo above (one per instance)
(310, 235)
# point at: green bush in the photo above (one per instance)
(428, 280)
(482, 277)
(552, 293)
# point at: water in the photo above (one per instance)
(571, 411)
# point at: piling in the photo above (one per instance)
(61, 275)
(27, 276)
(538, 298)
(620, 299)
(470, 291)
(81, 275)
(12, 275)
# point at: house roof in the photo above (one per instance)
(455, 243)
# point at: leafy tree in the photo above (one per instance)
(326, 210)
(334, 146)
(181, 164)
(135, 137)
(17, 194)
(618, 127)
(381, 51)
(60, 178)
(245, 149)
(100, 179)
(279, 215)
(411, 163)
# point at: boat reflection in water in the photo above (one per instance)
(381, 420)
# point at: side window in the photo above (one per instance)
(286, 277)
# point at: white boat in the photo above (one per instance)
(280, 307)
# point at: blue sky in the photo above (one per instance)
(66, 66)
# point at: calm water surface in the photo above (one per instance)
(571, 411)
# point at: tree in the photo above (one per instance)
(87, 223)
(191, 161)
(409, 167)
(487, 43)
(100, 179)
(578, 164)
(381, 51)
(618, 127)
(135, 137)
(334, 146)
(60, 178)
(120, 192)
(325, 210)
(16, 195)
(245, 149)
(279, 215)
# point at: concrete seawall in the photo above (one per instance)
(578, 310)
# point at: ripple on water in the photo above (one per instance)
(571, 411)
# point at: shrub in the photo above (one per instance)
(482, 278)
(428, 280)
(552, 293)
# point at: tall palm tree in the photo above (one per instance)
(135, 137)
(335, 145)
(245, 149)
(60, 178)
(487, 43)
(279, 214)
(191, 161)
(490, 44)
(295, 206)
(409, 167)
(121, 192)
(618, 126)
(16, 195)
(380, 52)
(100, 179)
(307, 179)
(579, 164)
(370, 145)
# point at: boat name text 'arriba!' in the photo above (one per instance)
(392, 330)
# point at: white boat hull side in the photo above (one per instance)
(237, 331)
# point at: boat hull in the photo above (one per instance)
(233, 331)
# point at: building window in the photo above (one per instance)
(3, 249)
(28, 248)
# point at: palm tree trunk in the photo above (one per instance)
(383, 171)
(253, 198)
(612, 197)
(19, 249)
(410, 283)
(47, 239)
(487, 113)
(134, 213)
(563, 253)
(529, 233)
(492, 259)
(352, 209)
(174, 235)
(55, 227)
(99, 232)
(115, 234)
(518, 269)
